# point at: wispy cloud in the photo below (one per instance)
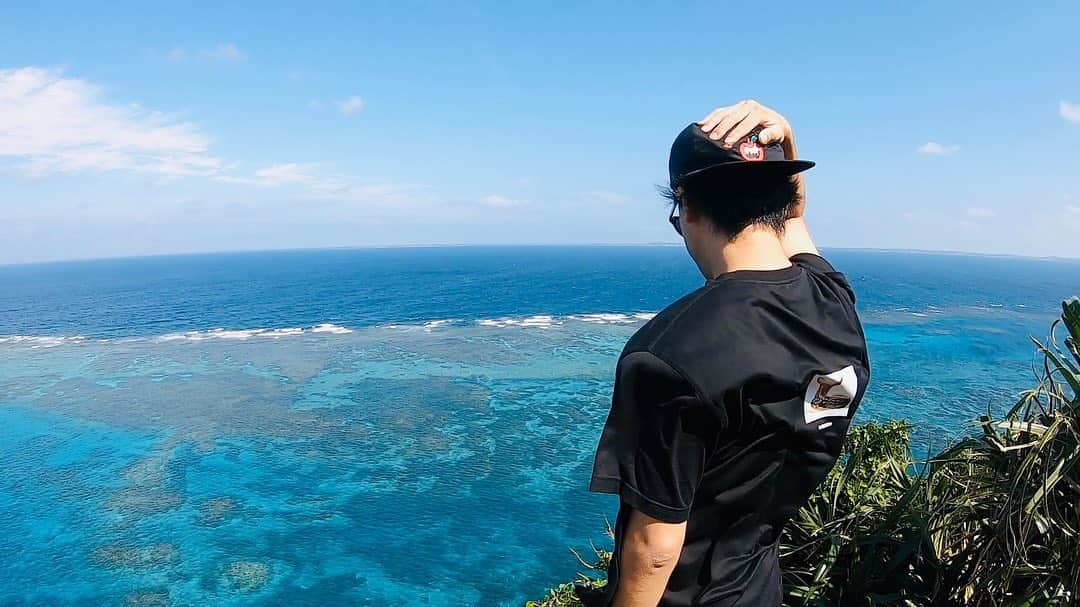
(225, 52)
(351, 105)
(313, 183)
(347, 107)
(980, 213)
(281, 174)
(495, 200)
(304, 174)
(53, 124)
(937, 149)
(1072, 208)
(58, 124)
(1070, 111)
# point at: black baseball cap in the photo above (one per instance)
(693, 154)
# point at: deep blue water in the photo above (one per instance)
(390, 427)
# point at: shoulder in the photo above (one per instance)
(657, 326)
(682, 328)
(644, 371)
(819, 268)
(709, 306)
(651, 388)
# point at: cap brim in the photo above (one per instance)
(766, 168)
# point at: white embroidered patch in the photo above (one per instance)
(830, 395)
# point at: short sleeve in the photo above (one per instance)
(657, 439)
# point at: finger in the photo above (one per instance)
(752, 121)
(771, 134)
(710, 116)
(709, 122)
(730, 119)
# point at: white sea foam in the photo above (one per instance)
(330, 328)
(245, 334)
(428, 326)
(539, 321)
(282, 332)
(545, 321)
(603, 319)
(236, 334)
(613, 318)
(42, 341)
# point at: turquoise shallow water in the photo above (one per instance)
(428, 451)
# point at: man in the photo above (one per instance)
(731, 405)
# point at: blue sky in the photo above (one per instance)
(129, 131)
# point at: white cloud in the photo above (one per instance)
(937, 149)
(314, 184)
(351, 105)
(53, 124)
(1072, 208)
(494, 200)
(57, 124)
(980, 213)
(347, 107)
(282, 174)
(1070, 111)
(226, 52)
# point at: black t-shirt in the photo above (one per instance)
(729, 409)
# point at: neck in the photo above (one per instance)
(755, 248)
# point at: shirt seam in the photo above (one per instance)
(625, 486)
(650, 346)
(730, 278)
(698, 394)
(831, 268)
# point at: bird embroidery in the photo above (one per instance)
(822, 400)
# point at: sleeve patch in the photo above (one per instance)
(830, 395)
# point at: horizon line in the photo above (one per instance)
(501, 245)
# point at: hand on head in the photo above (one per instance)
(734, 122)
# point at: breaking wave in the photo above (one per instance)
(536, 321)
(42, 341)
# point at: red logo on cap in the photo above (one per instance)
(751, 150)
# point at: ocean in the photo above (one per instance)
(392, 426)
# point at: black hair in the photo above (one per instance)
(732, 206)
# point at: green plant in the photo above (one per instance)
(858, 540)
(563, 594)
(1004, 505)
